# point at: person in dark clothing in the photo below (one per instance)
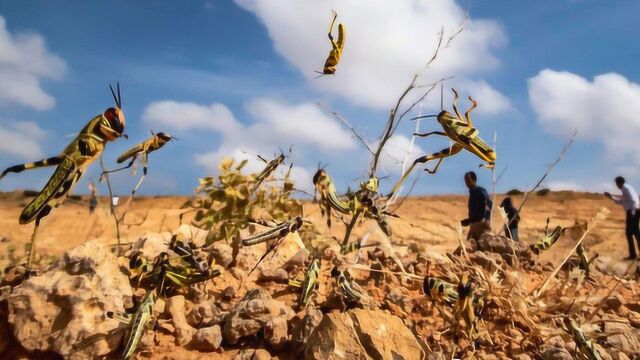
(513, 217)
(479, 208)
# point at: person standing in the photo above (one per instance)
(630, 202)
(479, 220)
(513, 217)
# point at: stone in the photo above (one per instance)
(207, 339)
(273, 274)
(612, 303)
(252, 313)
(362, 334)
(222, 253)
(184, 332)
(555, 349)
(304, 327)
(68, 303)
(501, 245)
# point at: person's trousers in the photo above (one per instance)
(512, 233)
(632, 230)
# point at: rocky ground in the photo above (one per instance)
(62, 311)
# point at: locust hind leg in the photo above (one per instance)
(455, 103)
(441, 133)
(350, 227)
(52, 161)
(107, 172)
(474, 104)
(135, 189)
(441, 155)
(32, 246)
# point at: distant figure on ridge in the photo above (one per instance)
(513, 217)
(479, 208)
(630, 202)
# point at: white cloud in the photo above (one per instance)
(386, 43)
(189, 116)
(21, 139)
(24, 60)
(399, 149)
(603, 110)
(276, 125)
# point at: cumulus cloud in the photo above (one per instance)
(24, 61)
(21, 139)
(275, 124)
(182, 116)
(385, 45)
(399, 150)
(603, 110)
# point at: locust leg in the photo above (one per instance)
(106, 172)
(474, 104)
(441, 133)
(440, 155)
(32, 248)
(455, 103)
(333, 21)
(56, 160)
(350, 227)
(133, 192)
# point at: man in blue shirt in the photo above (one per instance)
(479, 220)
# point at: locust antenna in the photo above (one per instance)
(119, 97)
(115, 99)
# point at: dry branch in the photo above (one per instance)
(546, 173)
(394, 120)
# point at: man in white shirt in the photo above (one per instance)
(630, 202)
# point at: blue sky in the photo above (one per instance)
(236, 79)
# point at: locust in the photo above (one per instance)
(271, 166)
(351, 294)
(164, 267)
(137, 323)
(440, 290)
(359, 204)
(461, 132)
(276, 234)
(143, 149)
(584, 262)
(309, 284)
(548, 239)
(85, 148)
(464, 307)
(583, 344)
(336, 49)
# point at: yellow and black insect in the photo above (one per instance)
(351, 295)
(584, 345)
(464, 308)
(336, 49)
(359, 205)
(310, 283)
(461, 132)
(548, 239)
(71, 163)
(272, 165)
(137, 323)
(276, 234)
(179, 270)
(440, 290)
(143, 149)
